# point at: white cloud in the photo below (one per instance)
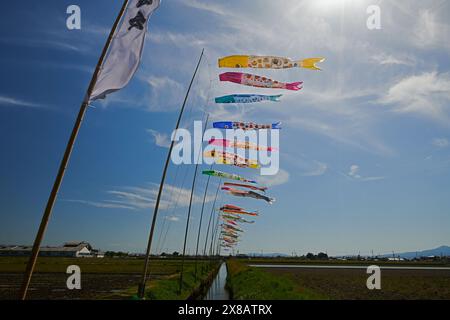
(177, 39)
(9, 101)
(280, 178)
(320, 169)
(440, 142)
(140, 198)
(355, 134)
(353, 173)
(100, 204)
(42, 43)
(206, 6)
(427, 94)
(160, 139)
(172, 218)
(165, 93)
(354, 169)
(386, 59)
(429, 32)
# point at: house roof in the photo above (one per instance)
(67, 247)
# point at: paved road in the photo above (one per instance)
(308, 266)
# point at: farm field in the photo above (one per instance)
(284, 281)
(350, 284)
(294, 261)
(106, 278)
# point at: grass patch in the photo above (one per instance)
(246, 283)
(350, 284)
(168, 287)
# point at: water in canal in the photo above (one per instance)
(217, 290)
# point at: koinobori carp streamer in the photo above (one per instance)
(241, 145)
(225, 175)
(245, 125)
(239, 219)
(232, 184)
(228, 208)
(247, 98)
(234, 162)
(268, 62)
(253, 80)
(248, 194)
(223, 157)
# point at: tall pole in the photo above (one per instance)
(189, 211)
(210, 217)
(141, 288)
(213, 238)
(218, 247)
(158, 248)
(64, 162)
(200, 223)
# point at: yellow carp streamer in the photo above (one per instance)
(222, 157)
(268, 62)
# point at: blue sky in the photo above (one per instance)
(365, 151)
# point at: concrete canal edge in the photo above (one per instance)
(228, 287)
(199, 292)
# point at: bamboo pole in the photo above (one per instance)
(64, 162)
(141, 288)
(200, 223)
(210, 217)
(189, 211)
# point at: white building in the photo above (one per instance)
(75, 249)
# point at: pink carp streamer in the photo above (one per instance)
(252, 80)
(249, 194)
(237, 144)
(241, 185)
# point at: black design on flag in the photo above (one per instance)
(137, 21)
(125, 51)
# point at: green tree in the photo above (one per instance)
(322, 256)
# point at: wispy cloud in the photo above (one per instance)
(42, 43)
(429, 32)
(355, 135)
(172, 218)
(206, 6)
(10, 101)
(440, 142)
(280, 178)
(177, 39)
(320, 169)
(159, 87)
(100, 204)
(354, 173)
(140, 198)
(386, 59)
(160, 139)
(427, 94)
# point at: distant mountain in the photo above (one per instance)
(442, 250)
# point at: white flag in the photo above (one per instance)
(125, 51)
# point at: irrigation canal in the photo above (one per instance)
(217, 291)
